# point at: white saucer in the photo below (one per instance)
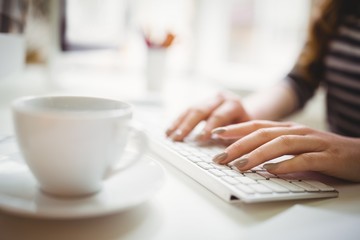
(20, 195)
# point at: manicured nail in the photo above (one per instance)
(176, 134)
(270, 166)
(241, 162)
(218, 130)
(220, 157)
(169, 131)
(200, 136)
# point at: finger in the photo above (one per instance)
(245, 128)
(254, 140)
(176, 123)
(193, 117)
(266, 138)
(226, 113)
(304, 162)
(283, 145)
(202, 108)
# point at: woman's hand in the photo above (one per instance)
(222, 110)
(313, 150)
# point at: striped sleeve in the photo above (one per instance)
(305, 85)
(342, 78)
(303, 89)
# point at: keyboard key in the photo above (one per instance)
(207, 151)
(184, 152)
(253, 176)
(274, 186)
(206, 159)
(288, 185)
(306, 186)
(230, 180)
(201, 155)
(260, 188)
(194, 159)
(232, 173)
(244, 188)
(204, 165)
(217, 172)
(220, 167)
(245, 180)
(320, 185)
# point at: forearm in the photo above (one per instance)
(273, 103)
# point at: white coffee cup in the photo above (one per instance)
(73, 143)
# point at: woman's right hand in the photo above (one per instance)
(223, 109)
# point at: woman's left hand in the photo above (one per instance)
(260, 141)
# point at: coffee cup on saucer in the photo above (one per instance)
(72, 144)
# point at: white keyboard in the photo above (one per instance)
(256, 185)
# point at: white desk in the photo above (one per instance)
(182, 209)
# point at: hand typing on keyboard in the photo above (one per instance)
(258, 141)
(226, 181)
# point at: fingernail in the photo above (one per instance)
(218, 130)
(200, 136)
(220, 157)
(176, 134)
(169, 131)
(270, 166)
(241, 162)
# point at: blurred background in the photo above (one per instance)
(240, 45)
(227, 41)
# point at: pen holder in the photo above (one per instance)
(155, 69)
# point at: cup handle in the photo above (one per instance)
(141, 143)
